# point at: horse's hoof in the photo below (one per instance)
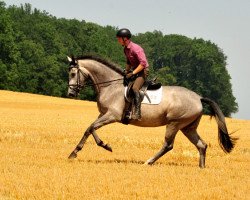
(72, 155)
(202, 166)
(148, 162)
(108, 147)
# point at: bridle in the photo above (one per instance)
(78, 86)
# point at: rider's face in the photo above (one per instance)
(120, 40)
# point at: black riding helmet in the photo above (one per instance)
(124, 32)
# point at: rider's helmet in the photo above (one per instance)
(124, 32)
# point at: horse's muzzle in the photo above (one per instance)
(71, 95)
(72, 92)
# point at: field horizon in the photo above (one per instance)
(37, 134)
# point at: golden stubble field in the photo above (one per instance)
(37, 133)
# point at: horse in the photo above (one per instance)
(179, 109)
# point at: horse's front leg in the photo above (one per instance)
(80, 144)
(100, 143)
(101, 121)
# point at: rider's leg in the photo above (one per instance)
(136, 88)
(137, 114)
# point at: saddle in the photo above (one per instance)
(149, 85)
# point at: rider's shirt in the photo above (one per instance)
(135, 55)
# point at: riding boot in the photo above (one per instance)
(137, 114)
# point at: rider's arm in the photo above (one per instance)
(142, 60)
(127, 69)
(138, 69)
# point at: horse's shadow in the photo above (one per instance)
(136, 162)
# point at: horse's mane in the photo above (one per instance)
(103, 61)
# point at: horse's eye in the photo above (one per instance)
(73, 75)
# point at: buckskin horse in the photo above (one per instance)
(179, 109)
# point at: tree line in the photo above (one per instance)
(34, 46)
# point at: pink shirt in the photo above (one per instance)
(135, 55)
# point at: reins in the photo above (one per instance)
(78, 86)
(91, 84)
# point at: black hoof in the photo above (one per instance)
(72, 155)
(107, 147)
(202, 166)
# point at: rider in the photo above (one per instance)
(137, 65)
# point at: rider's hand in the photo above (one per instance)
(129, 75)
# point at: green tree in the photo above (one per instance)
(34, 46)
(9, 52)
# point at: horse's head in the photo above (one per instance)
(77, 77)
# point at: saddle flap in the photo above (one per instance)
(154, 97)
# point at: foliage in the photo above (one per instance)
(34, 46)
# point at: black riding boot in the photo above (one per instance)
(137, 114)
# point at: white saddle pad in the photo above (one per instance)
(155, 96)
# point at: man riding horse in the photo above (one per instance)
(136, 68)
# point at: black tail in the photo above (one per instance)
(226, 142)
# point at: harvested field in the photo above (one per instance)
(37, 133)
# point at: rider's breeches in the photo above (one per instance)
(142, 75)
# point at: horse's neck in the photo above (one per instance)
(108, 85)
(101, 75)
(100, 72)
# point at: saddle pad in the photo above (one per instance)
(155, 96)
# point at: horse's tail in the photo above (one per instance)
(226, 142)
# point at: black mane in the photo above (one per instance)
(103, 61)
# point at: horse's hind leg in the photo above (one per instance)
(200, 145)
(191, 133)
(168, 143)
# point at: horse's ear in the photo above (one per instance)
(69, 59)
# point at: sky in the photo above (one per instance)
(224, 22)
